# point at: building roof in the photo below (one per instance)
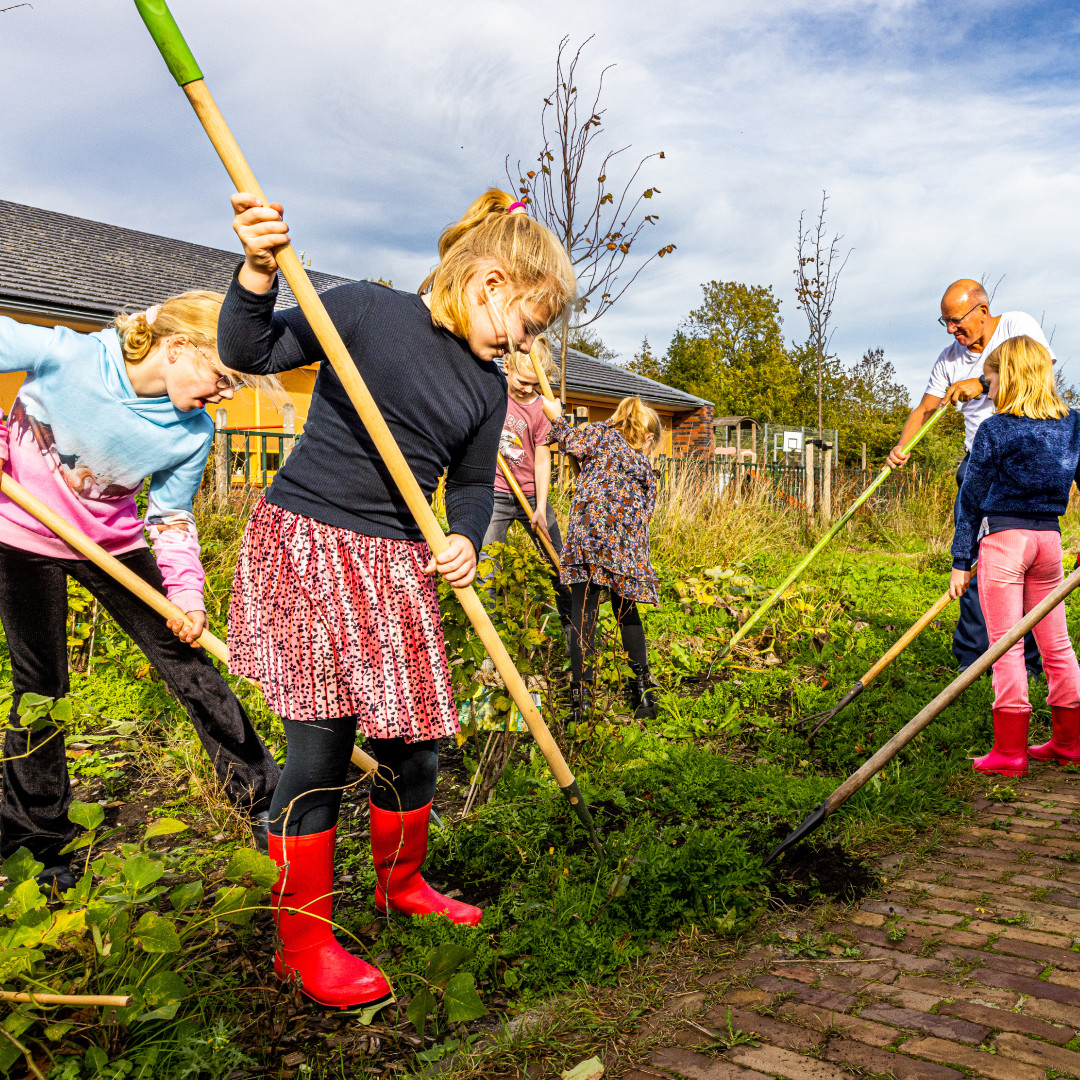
(56, 263)
(734, 421)
(64, 266)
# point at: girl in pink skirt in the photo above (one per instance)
(1023, 463)
(334, 610)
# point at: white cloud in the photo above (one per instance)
(948, 150)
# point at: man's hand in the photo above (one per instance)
(189, 628)
(958, 583)
(457, 563)
(897, 459)
(964, 390)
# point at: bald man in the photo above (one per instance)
(957, 378)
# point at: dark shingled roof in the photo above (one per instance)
(57, 264)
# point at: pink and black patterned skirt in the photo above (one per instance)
(332, 623)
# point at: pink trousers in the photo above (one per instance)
(1017, 568)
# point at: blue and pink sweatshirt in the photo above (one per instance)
(82, 442)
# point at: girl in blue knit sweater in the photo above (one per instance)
(1023, 463)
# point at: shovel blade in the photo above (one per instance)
(814, 821)
(577, 801)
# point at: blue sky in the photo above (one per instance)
(947, 136)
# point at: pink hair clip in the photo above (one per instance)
(517, 208)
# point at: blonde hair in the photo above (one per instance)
(541, 352)
(635, 422)
(195, 315)
(536, 264)
(1026, 385)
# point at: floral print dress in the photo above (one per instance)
(607, 542)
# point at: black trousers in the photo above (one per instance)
(585, 597)
(309, 796)
(33, 610)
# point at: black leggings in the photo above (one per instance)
(585, 598)
(317, 764)
(34, 608)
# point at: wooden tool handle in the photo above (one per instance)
(913, 632)
(119, 1001)
(328, 337)
(78, 541)
(515, 487)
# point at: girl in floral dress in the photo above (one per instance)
(607, 542)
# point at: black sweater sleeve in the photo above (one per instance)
(252, 338)
(470, 482)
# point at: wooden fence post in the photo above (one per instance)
(864, 457)
(808, 479)
(222, 479)
(826, 486)
(288, 426)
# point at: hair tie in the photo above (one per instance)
(152, 313)
(517, 208)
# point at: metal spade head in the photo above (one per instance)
(577, 801)
(814, 821)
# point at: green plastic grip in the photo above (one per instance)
(170, 42)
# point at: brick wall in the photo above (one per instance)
(692, 433)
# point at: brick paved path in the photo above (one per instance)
(967, 968)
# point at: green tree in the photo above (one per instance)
(647, 363)
(873, 408)
(731, 351)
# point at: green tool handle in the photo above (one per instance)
(170, 42)
(820, 545)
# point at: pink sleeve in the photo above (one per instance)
(176, 547)
(3, 439)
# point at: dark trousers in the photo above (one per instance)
(586, 598)
(970, 639)
(33, 610)
(309, 796)
(507, 509)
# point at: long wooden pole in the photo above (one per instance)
(515, 487)
(81, 543)
(912, 728)
(821, 544)
(181, 63)
(545, 389)
(935, 609)
(119, 1001)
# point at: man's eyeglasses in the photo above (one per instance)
(224, 381)
(956, 322)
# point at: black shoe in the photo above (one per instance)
(642, 694)
(580, 702)
(56, 880)
(259, 824)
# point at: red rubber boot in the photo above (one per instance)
(399, 846)
(1009, 756)
(1064, 744)
(309, 952)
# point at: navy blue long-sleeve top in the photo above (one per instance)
(444, 406)
(1018, 477)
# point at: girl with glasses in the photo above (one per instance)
(96, 415)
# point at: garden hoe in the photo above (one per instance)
(743, 630)
(182, 66)
(913, 632)
(131, 581)
(546, 391)
(912, 728)
(515, 487)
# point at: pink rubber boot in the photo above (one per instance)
(398, 847)
(1064, 744)
(1009, 756)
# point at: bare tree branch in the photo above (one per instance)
(598, 229)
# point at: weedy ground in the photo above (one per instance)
(572, 950)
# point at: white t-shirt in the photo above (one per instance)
(959, 362)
